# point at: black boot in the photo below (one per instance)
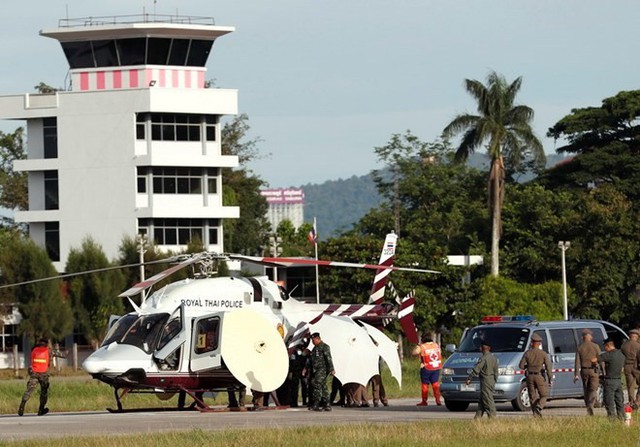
(43, 411)
(21, 409)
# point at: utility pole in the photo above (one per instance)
(142, 244)
(564, 246)
(275, 248)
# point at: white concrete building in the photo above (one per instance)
(134, 146)
(284, 203)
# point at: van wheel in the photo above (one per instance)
(522, 402)
(456, 405)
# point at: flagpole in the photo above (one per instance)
(317, 278)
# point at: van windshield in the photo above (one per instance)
(501, 339)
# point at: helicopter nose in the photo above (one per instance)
(116, 359)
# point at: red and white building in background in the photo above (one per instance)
(284, 204)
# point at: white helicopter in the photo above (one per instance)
(219, 333)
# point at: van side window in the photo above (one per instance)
(597, 336)
(563, 341)
(545, 340)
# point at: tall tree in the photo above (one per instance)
(45, 312)
(13, 185)
(506, 127)
(606, 141)
(94, 296)
(241, 187)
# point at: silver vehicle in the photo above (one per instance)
(509, 338)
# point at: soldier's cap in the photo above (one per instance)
(536, 338)
(315, 335)
(587, 332)
(485, 343)
(634, 331)
(608, 340)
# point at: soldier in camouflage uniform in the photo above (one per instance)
(487, 370)
(321, 368)
(41, 356)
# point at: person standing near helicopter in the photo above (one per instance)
(321, 369)
(41, 357)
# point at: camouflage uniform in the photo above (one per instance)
(39, 378)
(321, 367)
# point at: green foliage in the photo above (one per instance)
(13, 185)
(294, 240)
(534, 220)
(606, 140)
(242, 188)
(94, 296)
(506, 127)
(501, 296)
(348, 285)
(44, 310)
(46, 89)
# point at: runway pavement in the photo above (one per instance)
(30, 426)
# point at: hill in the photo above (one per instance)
(338, 204)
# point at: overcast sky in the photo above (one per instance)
(326, 81)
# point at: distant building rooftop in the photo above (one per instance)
(135, 18)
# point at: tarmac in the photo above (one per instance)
(102, 423)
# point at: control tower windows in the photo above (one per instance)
(137, 51)
(176, 126)
(50, 133)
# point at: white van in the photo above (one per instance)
(510, 337)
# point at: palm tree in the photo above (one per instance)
(507, 129)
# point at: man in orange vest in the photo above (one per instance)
(430, 366)
(40, 359)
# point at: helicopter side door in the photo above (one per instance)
(172, 339)
(205, 342)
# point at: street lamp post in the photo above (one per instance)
(564, 246)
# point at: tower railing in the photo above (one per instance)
(135, 18)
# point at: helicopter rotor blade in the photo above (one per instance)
(287, 262)
(86, 272)
(137, 288)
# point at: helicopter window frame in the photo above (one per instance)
(203, 343)
(151, 326)
(171, 329)
(119, 328)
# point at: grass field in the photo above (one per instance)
(76, 391)
(578, 432)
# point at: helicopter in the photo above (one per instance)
(221, 333)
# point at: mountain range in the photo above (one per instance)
(338, 204)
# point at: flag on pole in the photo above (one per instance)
(313, 235)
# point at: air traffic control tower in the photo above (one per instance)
(133, 147)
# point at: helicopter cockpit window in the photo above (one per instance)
(144, 332)
(173, 328)
(207, 331)
(118, 329)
